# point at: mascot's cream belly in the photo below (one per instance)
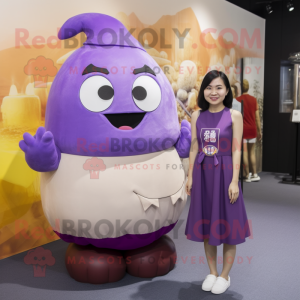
(139, 194)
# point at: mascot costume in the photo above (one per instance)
(112, 182)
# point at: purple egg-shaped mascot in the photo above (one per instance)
(112, 181)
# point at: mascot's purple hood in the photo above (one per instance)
(110, 97)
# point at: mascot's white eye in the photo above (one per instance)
(96, 93)
(146, 93)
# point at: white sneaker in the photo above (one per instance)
(248, 178)
(221, 285)
(255, 177)
(209, 282)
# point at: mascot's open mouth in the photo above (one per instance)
(125, 121)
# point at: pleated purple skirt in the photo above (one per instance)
(211, 215)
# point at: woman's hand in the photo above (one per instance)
(233, 191)
(259, 135)
(188, 185)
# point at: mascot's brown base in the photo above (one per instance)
(94, 265)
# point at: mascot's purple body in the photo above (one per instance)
(109, 154)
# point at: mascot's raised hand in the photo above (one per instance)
(183, 144)
(41, 154)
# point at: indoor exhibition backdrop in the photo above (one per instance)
(186, 39)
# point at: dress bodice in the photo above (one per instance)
(214, 134)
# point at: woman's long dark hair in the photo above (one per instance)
(208, 78)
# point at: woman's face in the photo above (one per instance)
(215, 92)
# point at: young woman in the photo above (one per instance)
(217, 212)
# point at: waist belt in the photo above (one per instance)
(201, 156)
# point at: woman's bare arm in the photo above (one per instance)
(194, 145)
(237, 120)
(258, 126)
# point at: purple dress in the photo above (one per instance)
(211, 215)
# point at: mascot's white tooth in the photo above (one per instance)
(147, 202)
(177, 195)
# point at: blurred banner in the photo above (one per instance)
(186, 39)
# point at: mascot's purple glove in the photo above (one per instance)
(183, 143)
(41, 153)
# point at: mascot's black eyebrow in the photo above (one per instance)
(91, 68)
(144, 69)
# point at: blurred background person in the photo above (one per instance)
(252, 130)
